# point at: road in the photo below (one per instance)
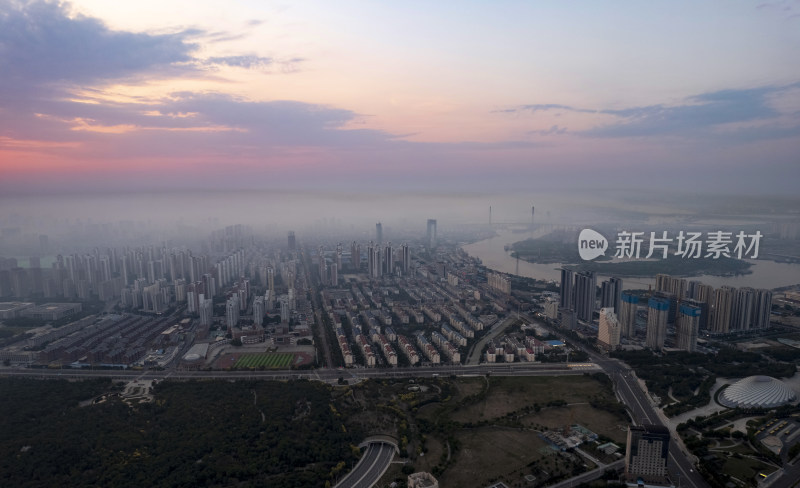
(474, 356)
(322, 374)
(589, 475)
(375, 461)
(627, 386)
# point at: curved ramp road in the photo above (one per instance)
(370, 467)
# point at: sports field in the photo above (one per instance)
(269, 360)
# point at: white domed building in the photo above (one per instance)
(757, 392)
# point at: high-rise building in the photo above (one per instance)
(431, 236)
(687, 327)
(334, 274)
(721, 312)
(657, 311)
(406, 257)
(611, 294)
(627, 315)
(379, 233)
(232, 312)
(355, 256)
(761, 309)
(292, 241)
(374, 268)
(568, 318)
(271, 280)
(647, 453)
(206, 310)
(388, 260)
(608, 331)
(338, 257)
(585, 295)
(742, 309)
(668, 284)
(567, 289)
(258, 310)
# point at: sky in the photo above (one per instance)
(448, 96)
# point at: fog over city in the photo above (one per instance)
(362, 244)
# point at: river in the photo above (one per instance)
(765, 274)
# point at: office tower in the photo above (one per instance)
(742, 309)
(258, 311)
(762, 308)
(721, 311)
(379, 233)
(647, 452)
(334, 274)
(338, 257)
(355, 256)
(687, 326)
(232, 312)
(405, 253)
(657, 311)
(585, 295)
(627, 314)
(388, 260)
(567, 290)
(610, 293)
(292, 241)
(431, 236)
(608, 331)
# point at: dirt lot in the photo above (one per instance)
(597, 421)
(489, 453)
(510, 394)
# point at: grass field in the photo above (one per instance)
(270, 360)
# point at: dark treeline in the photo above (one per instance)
(194, 434)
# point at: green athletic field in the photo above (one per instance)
(270, 360)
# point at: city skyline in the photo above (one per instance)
(415, 97)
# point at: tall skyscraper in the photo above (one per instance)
(608, 331)
(657, 311)
(611, 294)
(721, 312)
(647, 453)
(431, 236)
(292, 241)
(338, 257)
(687, 327)
(585, 295)
(567, 289)
(379, 233)
(627, 315)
